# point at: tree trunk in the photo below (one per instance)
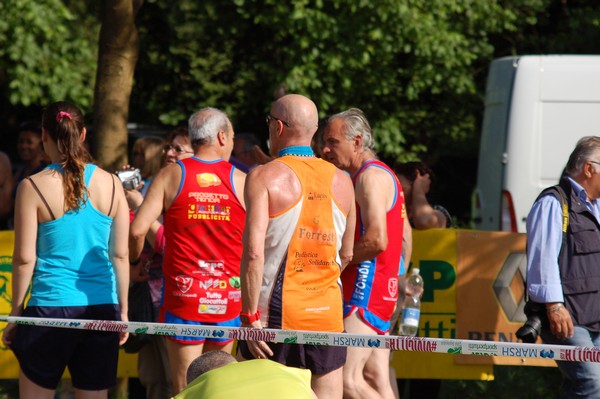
(117, 56)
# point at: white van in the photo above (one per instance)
(536, 108)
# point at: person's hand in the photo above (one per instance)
(129, 167)
(259, 349)
(422, 183)
(123, 335)
(134, 198)
(9, 334)
(561, 324)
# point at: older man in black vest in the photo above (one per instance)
(563, 264)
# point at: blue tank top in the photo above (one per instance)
(73, 266)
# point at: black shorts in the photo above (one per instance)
(91, 356)
(319, 359)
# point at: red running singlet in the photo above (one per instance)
(371, 287)
(203, 232)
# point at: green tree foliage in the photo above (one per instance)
(412, 66)
(416, 67)
(48, 52)
(562, 27)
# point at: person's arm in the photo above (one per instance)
(347, 249)
(253, 256)
(149, 211)
(423, 215)
(407, 243)
(134, 201)
(24, 254)
(6, 185)
(154, 234)
(119, 250)
(159, 240)
(239, 182)
(544, 240)
(374, 195)
(344, 196)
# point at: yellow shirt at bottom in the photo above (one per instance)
(252, 379)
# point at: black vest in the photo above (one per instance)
(579, 262)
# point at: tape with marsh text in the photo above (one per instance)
(392, 342)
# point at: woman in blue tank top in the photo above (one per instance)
(71, 244)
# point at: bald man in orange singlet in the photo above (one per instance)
(298, 238)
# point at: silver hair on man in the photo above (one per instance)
(356, 123)
(587, 149)
(204, 125)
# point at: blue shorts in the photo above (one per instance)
(171, 318)
(376, 323)
(91, 356)
(402, 268)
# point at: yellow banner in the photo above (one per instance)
(9, 367)
(491, 292)
(474, 289)
(435, 253)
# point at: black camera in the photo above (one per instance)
(536, 320)
(130, 178)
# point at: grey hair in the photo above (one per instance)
(204, 125)
(356, 123)
(585, 150)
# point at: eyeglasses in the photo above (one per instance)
(597, 163)
(178, 150)
(270, 117)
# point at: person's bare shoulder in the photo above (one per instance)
(343, 189)
(169, 176)
(238, 173)
(373, 177)
(165, 185)
(239, 184)
(103, 179)
(342, 176)
(278, 181)
(271, 174)
(375, 184)
(101, 189)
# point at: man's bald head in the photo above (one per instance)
(299, 112)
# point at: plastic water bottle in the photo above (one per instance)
(409, 324)
(414, 284)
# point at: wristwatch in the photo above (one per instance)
(249, 318)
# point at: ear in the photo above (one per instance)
(280, 128)
(221, 138)
(83, 134)
(589, 169)
(358, 141)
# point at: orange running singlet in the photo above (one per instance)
(301, 282)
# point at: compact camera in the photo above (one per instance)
(536, 319)
(130, 178)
